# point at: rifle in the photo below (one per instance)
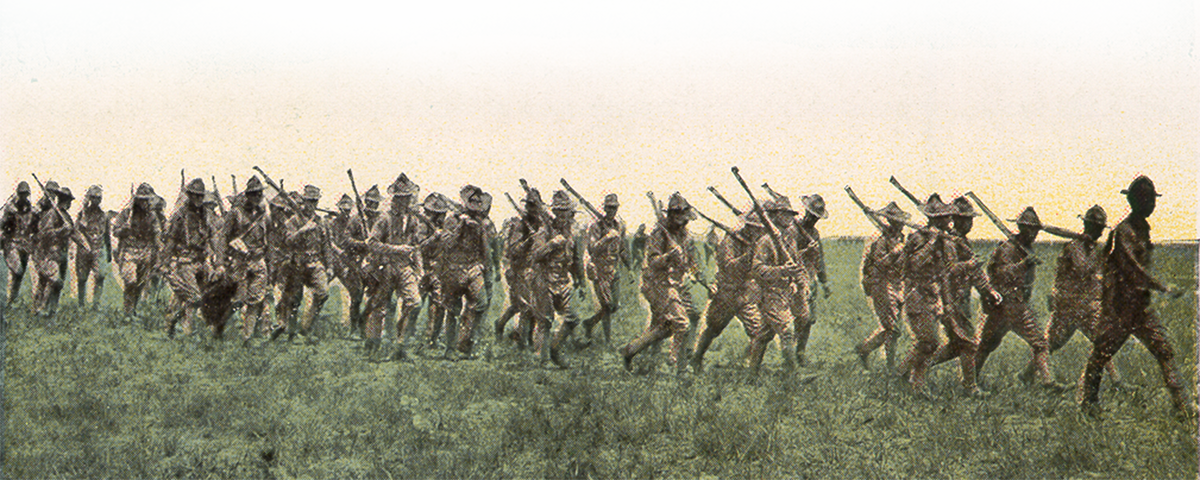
(1065, 233)
(732, 208)
(772, 193)
(544, 214)
(911, 197)
(582, 201)
(866, 211)
(514, 204)
(217, 193)
(232, 181)
(358, 203)
(788, 257)
(278, 189)
(1000, 225)
(64, 216)
(662, 220)
(720, 226)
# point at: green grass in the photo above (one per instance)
(93, 398)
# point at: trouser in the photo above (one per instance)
(923, 309)
(777, 321)
(668, 318)
(730, 301)
(605, 284)
(552, 296)
(961, 344)
(802, 303)
(135, 269)
(349, 273)
(886, 298)
(519, 305)
(402, 281)
(434, 304)
(52, 269)
(87, 264)
(1138, 321)
(462, 287)
(251, 277)
(1014, 315)
(185, 281)
(1068, 316)
(17, 260)
(310, 275)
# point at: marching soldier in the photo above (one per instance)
(637, 247)
(138, 231)
(517, 244)
(396, 267)
(435, 208)
(1077, 288)
(92, 223)
(188, 242)
(16, 227)
(962, 274)
(813, 260)
(737, 291)
(1012, 270)
(606, 247)
(668, 260)
(347, 257)
(883, 282)
(242, 244)
(556, 267)
(307, 241)
(50, 252)
(927, 252)
(779, 282)
(1126, 307)
(277, 257)
(464, 268)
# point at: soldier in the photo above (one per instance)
(50, 252)
(16, 227)
(307, 241)
(1126, 307)
(737, 291)
(927, 253)
(883, 283)
(92, 222)
(556, 267)
(242, 247)
(188, 243)
(516, 250)
(813, 260)
(396, 267)
(963, 273)
(637, 247)
(606, 247)
(347, 257)
(779, 282)
(277, 258)
(667, 262)
(1012, 270)
(464, 268)
(1077, 287)
(139, 231)
(435, 208)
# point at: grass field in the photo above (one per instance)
(90, 397)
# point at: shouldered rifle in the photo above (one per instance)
(721, 198)
(66, 218)
(217, 193)
(514, 204)
(907, 194)
(1065, 233)
(720, 226)
(771, 192)
(694, 271)
(1000, 225)
(762, 215)
(232, 181)
(582, 201)
(278, 189)
(358, 203)
(866, 211)
(542, 211)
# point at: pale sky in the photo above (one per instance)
(1052, 104)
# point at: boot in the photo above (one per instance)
(560, 336)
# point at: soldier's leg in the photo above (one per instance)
(83, 269)
(453, 312)
(562, 305)
(1108, 343)
(923, 323)
(1026, 327)
(473, 300)
(133, 276)
(17, 260)
(318, 283)
(1150, 333)
(777, 317)
(885, 334)
(721, 309)
(1111, 367)
(603, 287)
(656, 331)
(409, 298)
(379, 295)
(990, 334)
(254, 292)
(802, 321)
(185, 294)
(511, 278)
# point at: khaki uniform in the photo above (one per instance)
(50, 260)
(963, 274)
(247, 264)
(349, 235)
(138, 233)
(16, 224)
(925, 259)
(779, 292)
(396, 267)
(606, 247)
(1077, 293)
(883, 283)
(277, 263)
(309, 253)
(1126, 309)
(464, 251)
(188, 242)
(737, 295)
(1013, 277)
(518, 238)
(663, 288)
(430, 286)
(93, 224)
(813, 260)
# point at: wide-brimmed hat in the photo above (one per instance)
(403, 187)
(311, 193)
(676, 203)
(373, 195)
(475, 199)
(345, 202)
(533, 197)
(934, 207)
(561, 201)
(815, 204)
(894, 211)
(1142, 185)
(211, 198)
(779, 204)
(23, 187)
(51, 186)
(196, 186)
(1096, 214)
(144, 191)
(254, 185)
(94, 191)
(64, 193)
(1028, 217)
(157, 201)
(435, 203)
(610, 200)
(963, 208)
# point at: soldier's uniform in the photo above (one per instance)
(242, 243)
(883, 283)
(667, 262)
(188, 242)
(555, 268)
(1077, 290)
(1012, 272)
(16, 227)
(92, 223)
(606, 247)
(138, 231)
(50, 253)
(463, 268)
(348, 248)
(737, 291)
(780, 285)
(430, 287)
(307, 242)
(277, 257)
(927, 254)
(1126, 307)
(517, 243)
(813, 260)
(395, 267)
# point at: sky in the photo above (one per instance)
(1058, 105)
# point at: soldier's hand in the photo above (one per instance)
(792, 268)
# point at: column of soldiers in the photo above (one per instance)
(442, 257)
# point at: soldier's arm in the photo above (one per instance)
(1074, 255)
(659, 250)
(1012, 264)
(764, 263)
(1136, 271)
